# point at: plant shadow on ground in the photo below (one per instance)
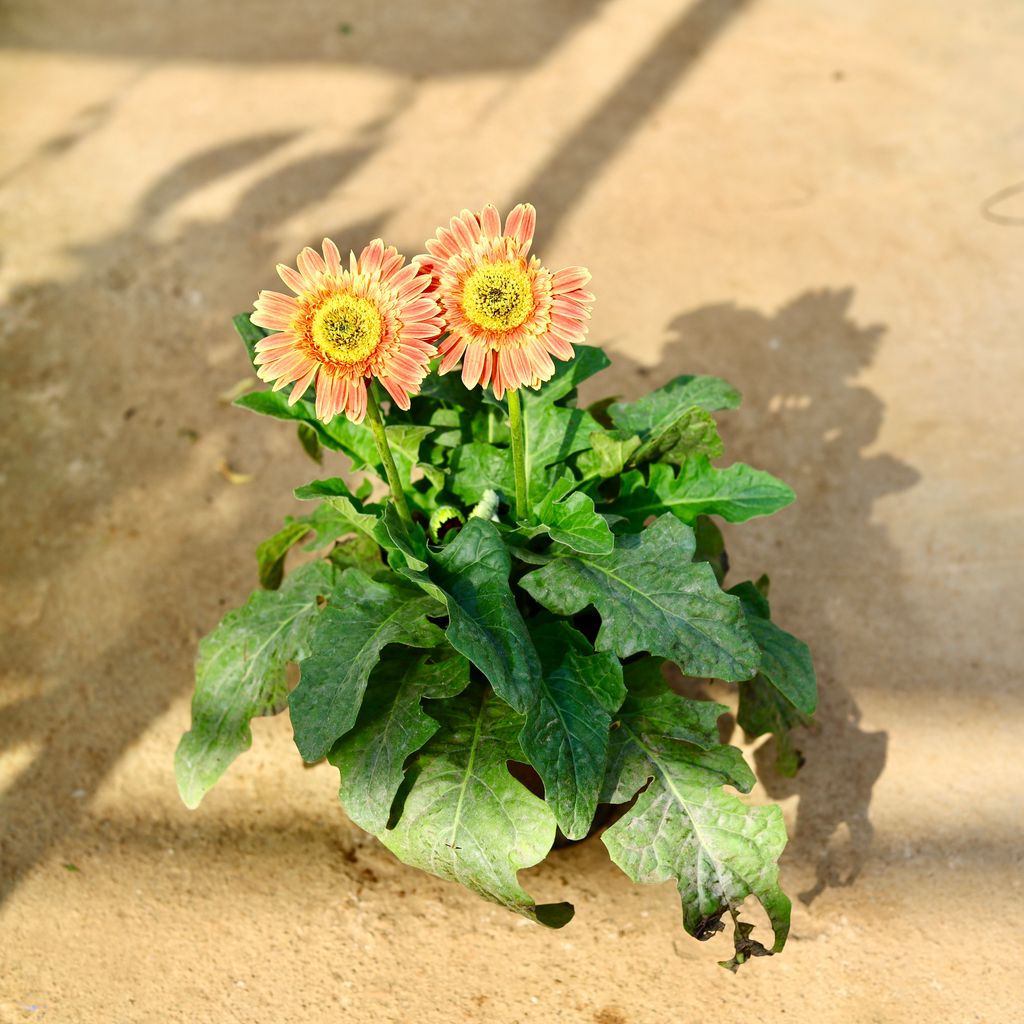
(805, 418)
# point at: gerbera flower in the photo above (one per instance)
(343, 326)
(506, 314)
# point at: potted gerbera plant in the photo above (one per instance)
(495, 603)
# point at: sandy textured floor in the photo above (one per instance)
(814, 199)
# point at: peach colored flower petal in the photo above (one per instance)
(373, 319)
(506, 314)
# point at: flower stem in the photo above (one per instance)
(384, 450)
(516, 425)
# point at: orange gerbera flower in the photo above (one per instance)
(343, 326)
(505, 313)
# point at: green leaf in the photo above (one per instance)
(472, 574)
(784, 693)
(357, 551)
(310, 442)
(588, 360)
(695, 432)
(553, 433)
(785, 661)
(464, 818)
(270, 555)
(350, 510)
(686, 828)
(659, 409)
(391, 726)
(572, 521)
(363, 615)
(651, 597)
(240, 674)
(711, 546)
(736, 493)
(607, 455)
(654, 710)
(566, 733)
(478, 467)
(250, 334)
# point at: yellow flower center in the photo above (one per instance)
(498, 296)
(346, 328)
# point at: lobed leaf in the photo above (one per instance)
(391, 726)
(240, 674)
(464, 818)
(736, 493)
(652, 598)
(685, 827)
(607, 455)
(573, 520)
(363, 615)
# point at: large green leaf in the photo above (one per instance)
(566, 733)
(463, 817)
(684, 827)
(736, 493)
(659, 409)
(391, 726)
(363, 615)
(651, 597)
(240, 674)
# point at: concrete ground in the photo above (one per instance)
(821, 201)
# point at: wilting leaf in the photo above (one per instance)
(391, 726)
(684, 826)
(463, 817)
(651, 597)
(362, 616)
(240, 674)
